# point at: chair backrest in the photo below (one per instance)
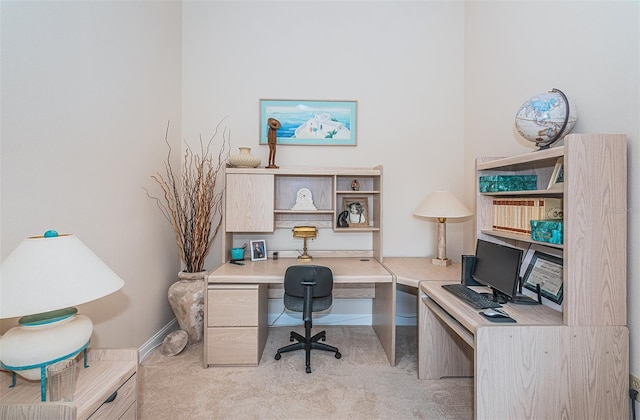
(296, 274)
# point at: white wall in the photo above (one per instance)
(87, 90)
(590, 51)
(402, 62)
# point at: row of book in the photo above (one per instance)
(514, 214)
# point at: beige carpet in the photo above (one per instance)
(360, 385)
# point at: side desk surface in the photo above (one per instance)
(470, 317)
(410, 271)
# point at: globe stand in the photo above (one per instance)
(560, 134)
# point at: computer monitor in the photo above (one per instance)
(498, 267)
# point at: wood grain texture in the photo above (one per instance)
(47, 410)
(232, 306)
(595, 230)
(551, 372)
(232, 346)
(441, 352)
(108, 370)
(249, 203)
(345, 270)
(125, 398)
(411, 271)
(384, 318)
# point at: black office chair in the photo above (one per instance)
(307, 289)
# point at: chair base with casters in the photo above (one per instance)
(307, 343)
(308, 288)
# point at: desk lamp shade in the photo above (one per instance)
(41, 281)
(442, 205)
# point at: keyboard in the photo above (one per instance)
(470, 296)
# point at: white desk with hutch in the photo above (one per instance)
(261, 201)
(550, 364)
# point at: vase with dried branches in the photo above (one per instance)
(191, 200)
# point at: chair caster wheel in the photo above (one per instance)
(338, 355)
(277, 356)
(308, 369)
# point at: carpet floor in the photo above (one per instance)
(360, 385)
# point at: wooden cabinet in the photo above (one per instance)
(595, 221)
(106, 389)
(249, 202)
(260, 200)
(236, 324)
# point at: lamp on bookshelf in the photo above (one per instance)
(442, 205)
(41, 281)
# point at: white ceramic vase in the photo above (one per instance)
(244, 159)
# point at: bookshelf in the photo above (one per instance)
(587, 356)
(595, 221)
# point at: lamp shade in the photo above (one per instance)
(442, 204)
(49, 273)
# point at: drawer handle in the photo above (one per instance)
(111, 398)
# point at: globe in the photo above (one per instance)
(546, 118)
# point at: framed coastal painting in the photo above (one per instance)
(307, 122)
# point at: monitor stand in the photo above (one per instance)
(496, 297)
(521, 299)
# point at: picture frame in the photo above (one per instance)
(258, 250)
(310, 122)
(557, 176)
(357, 208)
(546, 270)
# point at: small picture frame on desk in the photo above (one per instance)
(545, 270)
(357, 208)
(258, 250)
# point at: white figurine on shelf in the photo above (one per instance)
(304, 200)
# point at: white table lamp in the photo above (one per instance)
(41, 281)
(442, 205)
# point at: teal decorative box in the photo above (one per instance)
(495, 183)
(547, 231)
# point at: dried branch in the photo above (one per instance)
(193, 203)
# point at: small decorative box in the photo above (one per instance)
(547, 231)
(495, 183)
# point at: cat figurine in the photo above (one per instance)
(342, 219)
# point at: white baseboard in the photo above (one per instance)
(343, 312)
(146, 349)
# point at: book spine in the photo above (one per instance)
(515, 214)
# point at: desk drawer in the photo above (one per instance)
(233, 305)
(232, 346)
(120, 407)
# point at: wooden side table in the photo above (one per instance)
(106, 389)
